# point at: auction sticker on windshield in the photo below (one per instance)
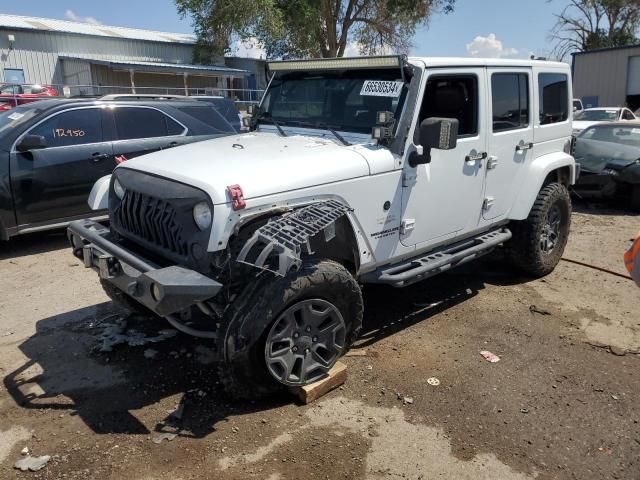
(381, 88)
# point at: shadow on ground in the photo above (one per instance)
(66, 370)
(33, 244)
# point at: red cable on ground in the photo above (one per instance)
(597, 268)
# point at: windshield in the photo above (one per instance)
(342, 100)
(597, 115)
(16, 116)
(602, 145)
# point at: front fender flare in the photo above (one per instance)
(536, 174)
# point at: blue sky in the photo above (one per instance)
(513, 28)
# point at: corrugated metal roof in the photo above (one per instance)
(65, 26)
(158, 66)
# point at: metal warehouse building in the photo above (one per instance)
(100, 59)
(608, 77)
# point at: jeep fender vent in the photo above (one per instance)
(277, 245)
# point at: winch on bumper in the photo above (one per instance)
(164, 291)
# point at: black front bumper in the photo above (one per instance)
(165, 291)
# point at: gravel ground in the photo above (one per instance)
(561, 403)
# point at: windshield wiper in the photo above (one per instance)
(276, 124)
(323, 126)
(339, 137)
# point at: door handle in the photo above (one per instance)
(473, 157)
(525, 147)
(173, 144)
(98, 157)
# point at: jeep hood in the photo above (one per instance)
(261, 163)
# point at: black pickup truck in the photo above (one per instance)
(53, 151)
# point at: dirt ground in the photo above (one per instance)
(563, 401)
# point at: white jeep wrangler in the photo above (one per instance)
(357, 170)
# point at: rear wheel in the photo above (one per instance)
(289, 331)
(538, 242)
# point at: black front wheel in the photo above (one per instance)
(538, 242)
(288, 331)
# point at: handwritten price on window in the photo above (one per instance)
(67, 132)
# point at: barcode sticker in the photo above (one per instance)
(381, 88)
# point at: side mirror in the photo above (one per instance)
(31, 142)
(438, 133)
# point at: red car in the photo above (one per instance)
(12, 95)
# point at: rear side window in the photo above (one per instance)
(627, 115)
(133, 123)
(210, 117)
(510, 101)
(74, 127)
(554, 97)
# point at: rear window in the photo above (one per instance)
(554, 97)
(134, 123)
(209, 116)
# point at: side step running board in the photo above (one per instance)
(416, 269)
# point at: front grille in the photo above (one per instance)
(153, 220)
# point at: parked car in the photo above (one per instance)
(591, 116)
(609, 158)
(225, 107)
(12, 95)
(53, 151)
(577, 105)
(381, 170)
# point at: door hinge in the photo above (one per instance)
(407, 225)
(408, 179)
(488, 203)
(492, 162)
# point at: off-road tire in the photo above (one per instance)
(123, 300)
(246, 324)
(524, 250)
(635, 198)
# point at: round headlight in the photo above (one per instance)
(202, 215)
(119, 189)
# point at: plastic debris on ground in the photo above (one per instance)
(490, 357)
(32, 463)
(164, 436)
(433, 381)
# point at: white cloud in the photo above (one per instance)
(489, 47)
(71, 15)
(248, 48)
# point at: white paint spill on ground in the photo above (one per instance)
(11, 437)
(399, 449)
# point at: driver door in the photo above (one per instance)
(53, 183)
(443, 198)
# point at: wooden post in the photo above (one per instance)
(185, 76)
(132, 79)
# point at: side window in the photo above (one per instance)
(74, 127)
(509, 101)
(452, 96)
(554, 97)
(133, 123)
(627, 115)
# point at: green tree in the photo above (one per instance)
(588, 24)
(309, 28)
